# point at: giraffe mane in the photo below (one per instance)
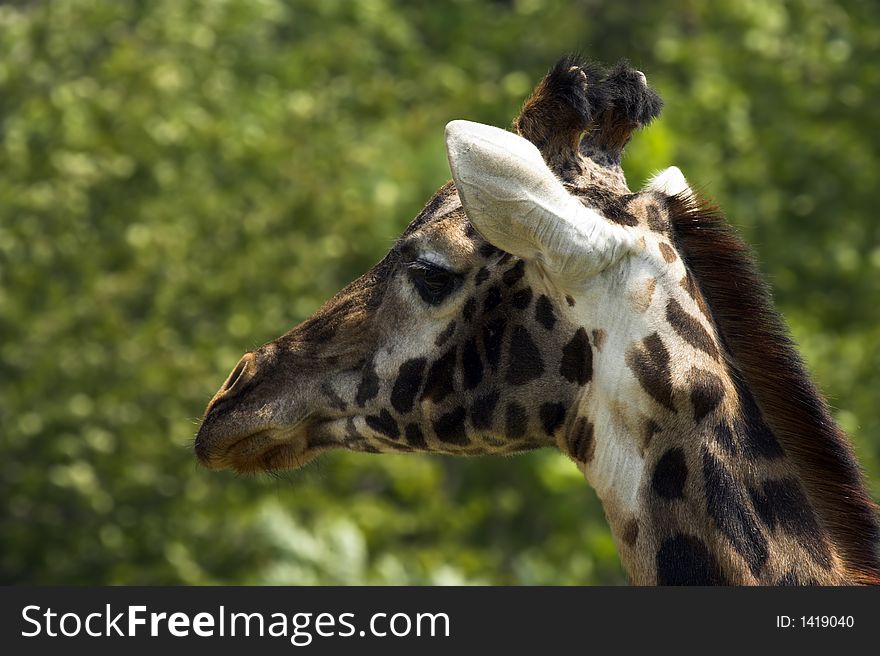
(764, 356)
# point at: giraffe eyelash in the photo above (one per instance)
(433, 283)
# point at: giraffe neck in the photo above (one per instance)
(597, 170)
(694, 483)
(713, 501)
(693, 516)
(603, 169)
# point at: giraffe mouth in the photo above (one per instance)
(267, 450)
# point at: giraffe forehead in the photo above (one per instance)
(447, 240)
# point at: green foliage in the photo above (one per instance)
(185, 180)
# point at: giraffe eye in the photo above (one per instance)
(433, 283)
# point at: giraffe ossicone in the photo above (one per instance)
(536, 301)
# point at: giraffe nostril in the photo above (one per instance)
(237, 381)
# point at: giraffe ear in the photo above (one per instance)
(516, 202)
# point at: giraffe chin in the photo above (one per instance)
(267, 451)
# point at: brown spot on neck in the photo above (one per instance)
(649, 361)
(630, 532)
(667, 252)
(642, 293)
(687, 283)
(599, 336)
(690, 330)
(656, 221)
(581, 444)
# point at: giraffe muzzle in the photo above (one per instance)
(260, 417)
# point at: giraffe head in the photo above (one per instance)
(535, 301)
(469, 337)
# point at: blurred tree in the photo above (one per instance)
(183, 180)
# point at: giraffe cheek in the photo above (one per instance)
(450, 428)
(482, 411)
(406, 385)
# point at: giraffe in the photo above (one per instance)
(536, 302)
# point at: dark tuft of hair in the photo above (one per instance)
(558, 111)
(622, 103)
(578, 97)
(569, 81)
(623, 93)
